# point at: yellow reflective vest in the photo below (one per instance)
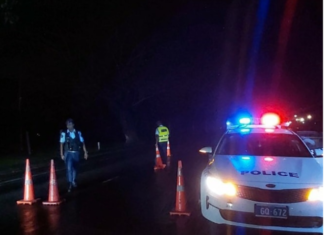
(163, 134)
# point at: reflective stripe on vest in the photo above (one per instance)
(163, 134)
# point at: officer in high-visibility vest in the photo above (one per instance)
(71, 144)
(161, 139)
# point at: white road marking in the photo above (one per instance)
(111, 179)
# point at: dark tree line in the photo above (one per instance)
(118, 66)
(62, 58)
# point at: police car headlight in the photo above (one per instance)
(217, 186)
(316, 194)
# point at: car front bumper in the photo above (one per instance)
(303, 216)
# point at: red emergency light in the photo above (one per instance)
(270, 119)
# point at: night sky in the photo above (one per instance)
(118, 66)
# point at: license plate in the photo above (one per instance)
(271, 211)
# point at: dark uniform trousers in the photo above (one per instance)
(72, 159)
(163, 150)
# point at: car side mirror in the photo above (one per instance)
(206, 150)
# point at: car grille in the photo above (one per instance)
(272, 196)
(291, 221)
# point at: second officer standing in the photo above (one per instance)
(161, 140)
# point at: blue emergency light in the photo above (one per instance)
(239, 121)
(245, 120)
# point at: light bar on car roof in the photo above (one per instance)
(267, 120)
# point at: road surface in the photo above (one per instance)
(123, 196)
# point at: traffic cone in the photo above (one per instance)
(29, 198)
(168, 150)
(53, 194)
(181, 202)
(158, 161)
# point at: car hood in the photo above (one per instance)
(292, 170)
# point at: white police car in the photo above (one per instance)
(263, 176)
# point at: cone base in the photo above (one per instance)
(160, 167)
(180, 213)
(25, 202)
(47, 203)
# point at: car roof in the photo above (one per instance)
(260, 129)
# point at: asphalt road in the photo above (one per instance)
(117, 197)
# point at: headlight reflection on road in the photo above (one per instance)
(217, 186)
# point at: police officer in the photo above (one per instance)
(71, 142)
(161, 139)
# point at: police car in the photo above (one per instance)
(262, 176)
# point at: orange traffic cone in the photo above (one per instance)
(53, 194)
(181, 202)
(158, 161)
(29, 188)
(168, 150)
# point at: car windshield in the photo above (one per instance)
(262, 144)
